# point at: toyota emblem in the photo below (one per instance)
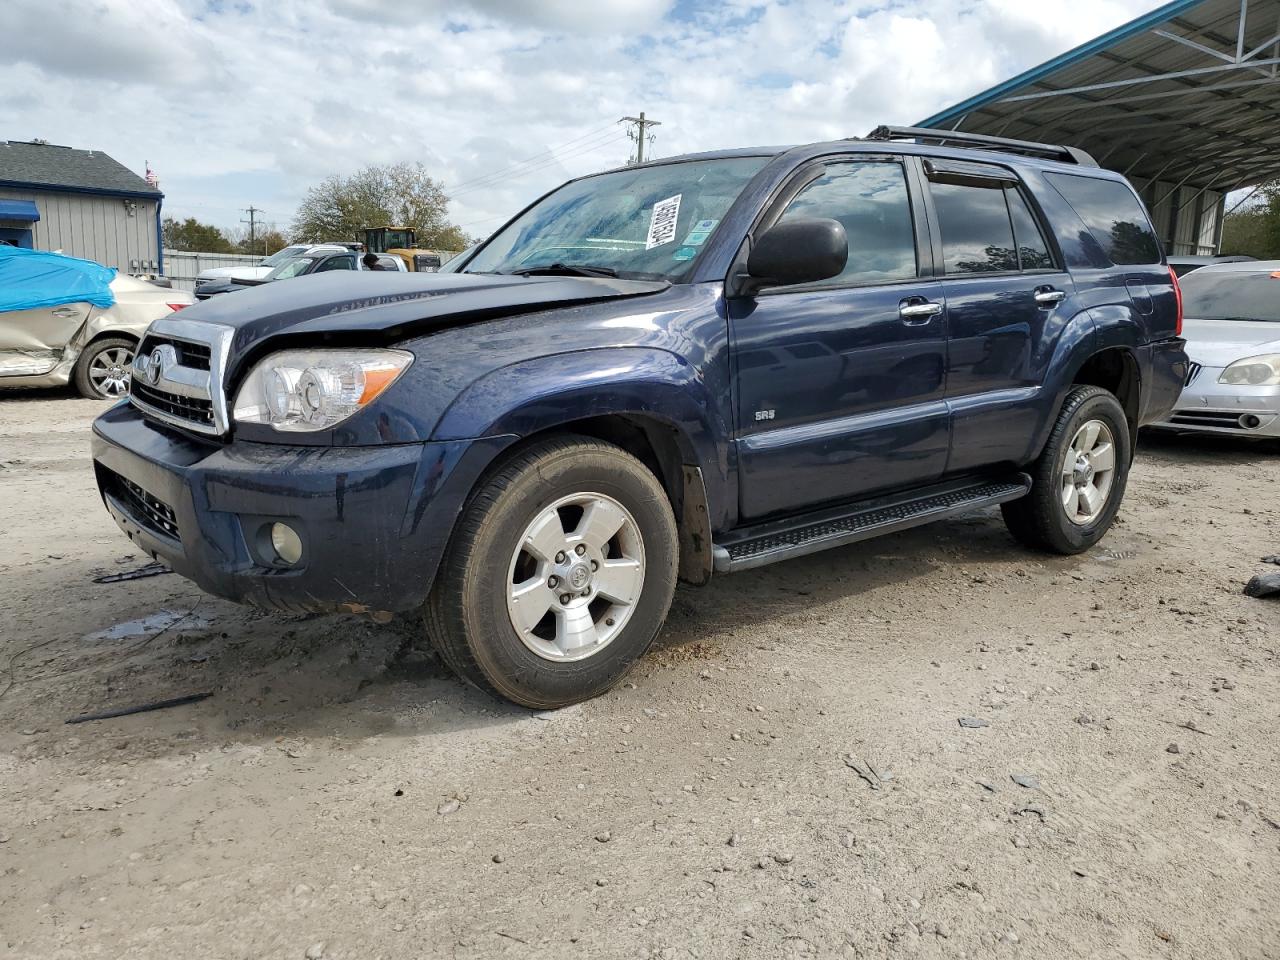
(154, 365)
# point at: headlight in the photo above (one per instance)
(301, 390)
(1261, 371)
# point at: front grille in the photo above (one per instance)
(186, 408)
(183, 386)
(143, 508)
(1207, 418)
(1193, 371)
(197, 356)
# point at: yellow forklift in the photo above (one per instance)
(403, 243)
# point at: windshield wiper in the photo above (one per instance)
(566, 270)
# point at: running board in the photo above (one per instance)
(784, 539)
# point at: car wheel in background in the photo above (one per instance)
(102, 372)
(1079, 479)
(558, 576)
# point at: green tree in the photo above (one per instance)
(1254, 229)
(396, 195)
(191, 234)
(267, 240)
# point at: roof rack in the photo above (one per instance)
(980, 141)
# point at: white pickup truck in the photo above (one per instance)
(253, 273)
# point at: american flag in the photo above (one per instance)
(151, 177)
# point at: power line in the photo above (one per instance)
(545, 165)
(535, 157)
(520, 170)
(639, 133)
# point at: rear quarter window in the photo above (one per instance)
(1114, 216)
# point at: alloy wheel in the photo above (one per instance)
(1088, 472)
(576, 577)
(109, 372)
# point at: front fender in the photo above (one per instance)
(536, 395)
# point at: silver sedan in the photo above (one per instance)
(1232, 328)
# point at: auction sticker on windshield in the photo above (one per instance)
(662, 225)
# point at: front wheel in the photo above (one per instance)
(102, 372)
(558, 576)
(1080, 478)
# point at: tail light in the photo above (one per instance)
(179, 306)
(1177, 293)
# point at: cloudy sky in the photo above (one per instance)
(239, 102)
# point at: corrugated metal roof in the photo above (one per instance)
(47, 165)
(1189, 93)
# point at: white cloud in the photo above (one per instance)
(251, 101)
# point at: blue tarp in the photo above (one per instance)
(34, 278)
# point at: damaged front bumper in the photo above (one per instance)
(373, 521)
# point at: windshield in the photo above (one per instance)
(285, 253)
(650, 221)
(1232, 295)
(290, 268)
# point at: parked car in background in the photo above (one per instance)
(1233, 342)
(1185, 263)
(264, 266)
(681, 368)
(90, 344)
(317, 259)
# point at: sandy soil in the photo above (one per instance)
(784, 775)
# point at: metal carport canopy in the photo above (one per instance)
(1188, 95)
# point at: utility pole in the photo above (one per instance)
(639, 132)
(253, 223)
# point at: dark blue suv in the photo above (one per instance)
(687, 367)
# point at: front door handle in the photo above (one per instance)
(918, 311)
(1047, 296)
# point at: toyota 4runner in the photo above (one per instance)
(684, 368)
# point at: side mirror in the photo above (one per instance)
(797, 251)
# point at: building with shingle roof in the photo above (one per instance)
(81, 202)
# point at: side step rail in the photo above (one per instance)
(784, 539)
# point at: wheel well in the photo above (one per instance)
(107, 335)
(650, 441)
(658, 445)
(1115, 370)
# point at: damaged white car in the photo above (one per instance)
(64, 320)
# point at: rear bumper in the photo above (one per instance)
(374, 521)
(1164, 371)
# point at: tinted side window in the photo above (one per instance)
(1113, 215)
(337, 263)
(871, 200)
(977, 235)
(1033, 251)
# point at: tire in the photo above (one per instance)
(1050, 518)
(100, 360)
(562, 493)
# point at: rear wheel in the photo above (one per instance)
(559, 575)
(1080, 478)
(103, 370)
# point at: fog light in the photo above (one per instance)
(1251, 421)
(286, 543)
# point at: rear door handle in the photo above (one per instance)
(1047, 296)
(66, 312)
(917, 312)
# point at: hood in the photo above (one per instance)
(396, 304)
(1218, 343)
(227, 273)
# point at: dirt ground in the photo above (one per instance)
(784, 776)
